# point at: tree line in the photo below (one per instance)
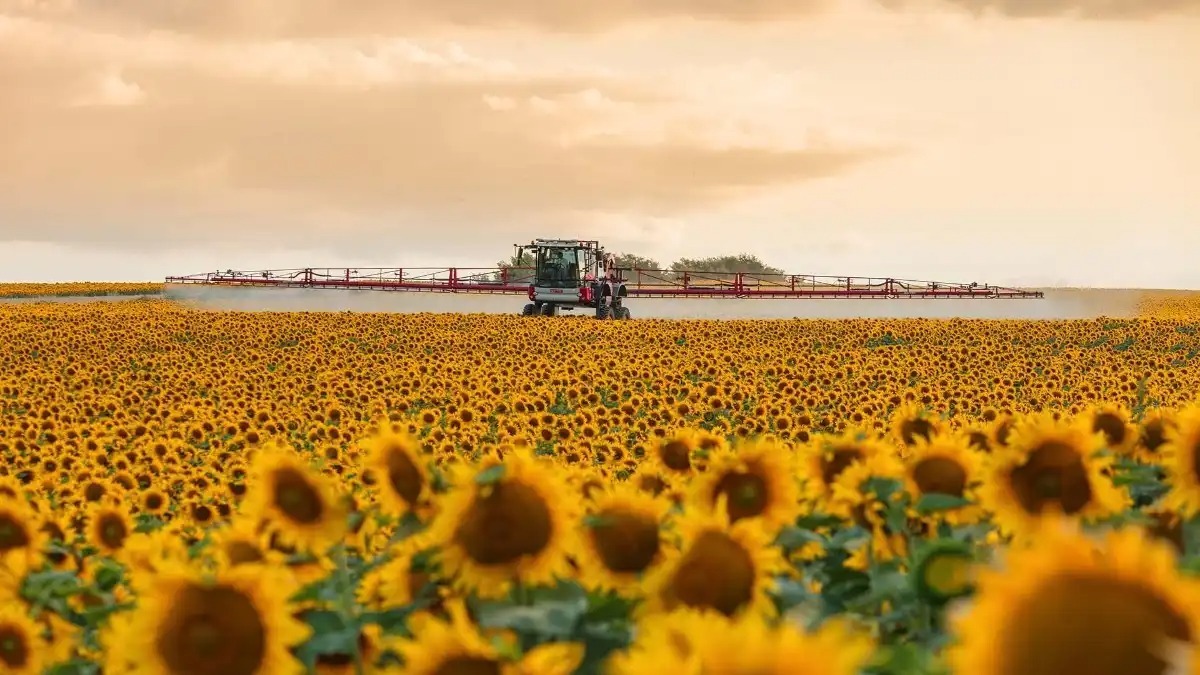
(722, 264)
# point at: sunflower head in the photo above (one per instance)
(22, 650)
(756, 479)
(674, 453)
(1073, 604)
(826, 457)
(505, 520)
(621, 537)
(1050, 467)
(298, 504)
(21, 538)
(448, 645)
(1152, 433)
(398, 468)
(913, 421)
(241, 543)
(946, 464)
(718, 566)
(236, 623)
(1181, 459)
(1112, 421)
(153, 501)
(694, 641)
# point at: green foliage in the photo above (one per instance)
(726, 264)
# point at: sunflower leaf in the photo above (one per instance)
(789, 593)
(817, 521)
(848, 537)
(607, 607)
(935, 501)
(550, 619)
(148, 522)
(321, 590)
(882, 488)
(791, 538)
(341, 641)
(74, 667)
(41, 587)
(902, 659)
(491, 475)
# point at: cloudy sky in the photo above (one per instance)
(1039, 142)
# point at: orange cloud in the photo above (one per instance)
(306, 18)
(1086, 9)
(122, 137)
(310, 18)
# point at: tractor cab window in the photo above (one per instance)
(558, 267)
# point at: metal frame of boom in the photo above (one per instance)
(640, 283)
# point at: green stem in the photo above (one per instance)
(347, 603)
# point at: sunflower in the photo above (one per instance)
(1166, 525)
(1073, 604)
(299, 505)
(399, 581)
(753, 647)
(22, 650)
(946, 464)
(757, 480)
(109, 527)
(55, 529)
(448, 645)
(1050, 467)
(457, 645)
(657, 482)
(11, 487)
(1152, 434)
(149, 551)
(718, 565)
(396, 463)
(852, 494)
(621, 538)
(1112, 420)
(1001, 428)
(912, 421)
(666, 642)
(154, 501)
(827, 456)
(506, 520)
(21, 540)
(549, 658)
(676, 452)
(692, 642)
(1181, 459)
(978, 437)
(114, 637)
(237, 623)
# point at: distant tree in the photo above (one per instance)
(624, 261)
(520, 275)
(634, 261)
(725, 264)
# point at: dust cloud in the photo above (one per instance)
(1058, 304)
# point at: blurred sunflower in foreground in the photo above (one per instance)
(1075, 604)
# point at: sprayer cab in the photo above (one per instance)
(571, 273)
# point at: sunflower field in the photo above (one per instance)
(218, 493)
(78, 288)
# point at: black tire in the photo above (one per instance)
(603, 312)
(549, 310)
(528, 310)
